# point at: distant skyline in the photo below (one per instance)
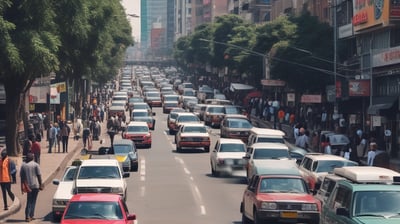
(133, 7)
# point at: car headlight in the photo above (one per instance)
(269, 205)
(309, 207)
(60, 202)
(117, 190)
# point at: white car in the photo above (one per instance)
(192, 135)
(63, 192)
(227, 156)
(314, 166)
(101, 176)
(260, 155)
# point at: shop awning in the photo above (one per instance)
(240, 87)
(381, 103)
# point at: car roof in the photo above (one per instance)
(123, 142)
(194, 125)
(140, 110)
(269, 145)
(237, 116)
(230, 140)
(267, 131)
(367, 174)
(102, 162)
(100, 197)
(279, 167)
(321, 156)
(137, 123)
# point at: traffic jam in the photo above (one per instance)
(280, 182)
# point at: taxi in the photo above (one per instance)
(366, 195)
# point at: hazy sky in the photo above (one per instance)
(133, 7)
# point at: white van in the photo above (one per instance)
(265, 135)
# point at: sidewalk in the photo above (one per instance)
(50, 164)
(394, 162)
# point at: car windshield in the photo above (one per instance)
(270, 153)
(219, 110)
(135, 99)
(171, 104)
(230, 147)
(195, 129)
(328, 165)
(270, 139)
(140, 114)
(91, 172)
(188, 119)
(171, 98)
(239, 123)
(141, 106)
(94, 210)
(232, 110)
(153, 95)
(69, 175)
(282, 185)
(138, 129)
(377, 203)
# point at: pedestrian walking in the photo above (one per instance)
(36, 150)
(111, 129)
(85, 136)
(58, 135)
(65, 136)
(6, 169)
(371, 153)
(31, 184)
(52, 136)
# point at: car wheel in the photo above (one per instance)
(134, 167)
(56, 218)
(178, 149)
(207, 149)
(171, 132)
(149, 146)
(257, 220)
(245, 220)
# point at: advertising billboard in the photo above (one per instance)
(367, 14)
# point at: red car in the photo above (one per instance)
(279, 198)
(139, 133)
(97, 208)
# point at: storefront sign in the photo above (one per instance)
(394, 12)
(338, 89)
(376, 121)
(370, 13)
(290, 97)
(359, 88)
(385, 57)
(311, 99)
(345, 31)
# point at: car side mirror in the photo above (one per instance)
(342, 212)
(56, 181)
(131, 217)
(126, 174)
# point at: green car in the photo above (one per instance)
(367, 195)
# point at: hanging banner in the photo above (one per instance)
(359, 88)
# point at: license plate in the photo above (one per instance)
(290, 215)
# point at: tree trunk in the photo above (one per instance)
(12, 117)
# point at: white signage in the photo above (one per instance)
(388, 56)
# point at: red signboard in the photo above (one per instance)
(359, 88)
(311, 99)
(338, 89)
(272, 82)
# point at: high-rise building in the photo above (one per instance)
(157, 27)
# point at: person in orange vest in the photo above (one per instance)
(281, 117)
(6, 169)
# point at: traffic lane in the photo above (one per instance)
(219, 197)
(161, 189)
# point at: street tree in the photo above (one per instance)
(29, 44)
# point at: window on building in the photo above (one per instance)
(395, 37)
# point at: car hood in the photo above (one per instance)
(121, 157)
(376, 220)
(192, 134)
(231, 155)
(93, 221)
(262, 162)
(103, 182)
(64, 190)
(286, 197)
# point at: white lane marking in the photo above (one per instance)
(142, 191)
(193, 186)
(143, 169)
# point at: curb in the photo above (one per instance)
(14, 208)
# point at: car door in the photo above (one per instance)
(214, 154)
(340, 198)
(250, 196)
